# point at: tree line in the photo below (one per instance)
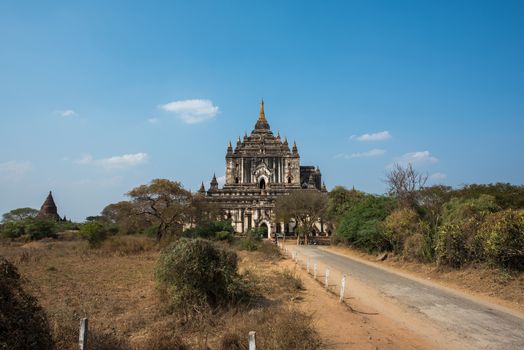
(452, 227)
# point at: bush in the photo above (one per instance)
(400, 225)
(418, 248)
(198, 273)
(361, 226)
(209, 230)
(94, 233)
(223, 236)
(38, 229)
(458, 240)
(12, 229)
(23, 323)
(503, 238)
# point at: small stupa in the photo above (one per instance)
(49, 209)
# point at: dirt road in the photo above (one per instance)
(446, 318)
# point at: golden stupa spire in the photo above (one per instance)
(262, 115)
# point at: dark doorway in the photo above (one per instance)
(262, 184)
(263, 229)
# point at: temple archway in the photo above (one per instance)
(262, 184)
(266, 226)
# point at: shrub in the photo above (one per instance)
(209, 230)
(223, 236)
(197, 273)
(503, 237)
(94, 233)
(38, 229)
(417, 247)
(400, 225)
(459, 242)
(151, 231)
(362, 227)
(12, 229)
(23, 323)
(246, 243)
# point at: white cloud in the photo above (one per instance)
(13, 170)
(420, 157)
(67, 113)
(115, 162)
(377, 136)
(192, 111)
(371, 153)
(153, 120)
(438, 176)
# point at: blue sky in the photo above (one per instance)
(97, 97)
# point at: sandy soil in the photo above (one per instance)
(357, 326)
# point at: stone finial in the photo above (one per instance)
(202, 188)
(262, 123)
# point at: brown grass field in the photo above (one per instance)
(115, 287)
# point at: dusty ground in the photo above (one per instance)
(494, 285)
(118, 294)
(358, 327)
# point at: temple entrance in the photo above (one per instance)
(262, 184)
(265, 227)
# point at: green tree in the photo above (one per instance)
(19, 214)
(40, 228)
(340, 200)
(164, 202)
(125, 217)
(94, 233)
(306, 207)
(362, 227)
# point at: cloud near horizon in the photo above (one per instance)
(13, 170)
(377, 136)
(115, 162)
(192, 111)
(419, 157)
(371, 153)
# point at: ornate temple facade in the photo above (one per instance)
(259, 169)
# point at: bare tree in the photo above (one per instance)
(404, 184)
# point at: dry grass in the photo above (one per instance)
(128, 245)
(114, 287)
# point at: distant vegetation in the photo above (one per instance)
(452, 227)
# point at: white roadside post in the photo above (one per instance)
(252, 340)
(82, 338)
(307, 264)
(342, 287)
(326, 278)
(315, 270)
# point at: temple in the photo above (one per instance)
(49, 209)
(260, 168)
